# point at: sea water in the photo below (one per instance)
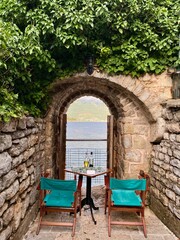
(76, 150)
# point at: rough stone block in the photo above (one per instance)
(177, 212)
(25, 205)
(176, 153)
(177, 116)
(5, 142)
(18, 134)
(157, 162)
(164, 150)
(135, 167)
(133, 156)
(6, 233)
(128, 128)
(178, 138)
(8, 215)
(139, 142)
(175, 163)
(12, 190)
(21, 147)
(27, 154)
(10, 126)
(144, 95)
(2, 198)
(5, 160)
(159, 186)
(171, 177)
(9, 178)
(167, 158)
(176, 171)
(1, 185)
(29, 162)
(155, 192)
(155, 167)
(170, 194)
(24, 185)
(166, 136)
(34, 195)
(16, 161)
(23, 175)
(22, 123)
(17, 216)
(1, 224)
(31, 169)
(172, 128)
(127, 141)
(163, 199)
(162, 172)
(158, 130)
(32, 179)
(177, 201)
(30, 122)
(32, 140)
(176, 189)
(165, 166)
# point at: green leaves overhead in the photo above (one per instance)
(44, 39)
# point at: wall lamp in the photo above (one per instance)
(90, 65)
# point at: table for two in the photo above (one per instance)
(89, 173)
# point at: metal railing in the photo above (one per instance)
(75, 158)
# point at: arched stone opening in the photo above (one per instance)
(134, 114)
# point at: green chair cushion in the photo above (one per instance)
(128, 184)
(125, 198)
(56, 184)
(59, 199)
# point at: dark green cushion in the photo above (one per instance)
(125, 198)
(59, 199)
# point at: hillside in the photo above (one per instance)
(87, 109)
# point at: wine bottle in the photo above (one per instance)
(91, 160)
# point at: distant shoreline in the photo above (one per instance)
(68, 120)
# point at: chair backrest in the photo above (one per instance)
(128, 184)
(56, 184)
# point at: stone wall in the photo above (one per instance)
(165, 170)
(21, 157)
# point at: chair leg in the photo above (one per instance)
(109, 219)
(144, 228)
(74, 226)
(109, 225)
(80, 205)
(105, 205)
(144, 224)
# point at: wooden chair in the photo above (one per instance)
(58, 196)
(127, 196)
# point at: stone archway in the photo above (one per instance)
(136, 111)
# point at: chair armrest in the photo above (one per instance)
(106, 182)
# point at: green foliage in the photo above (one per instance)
(41, 40)
(9, 106)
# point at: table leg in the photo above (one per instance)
(88, 200)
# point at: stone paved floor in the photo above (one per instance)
(86, 230)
